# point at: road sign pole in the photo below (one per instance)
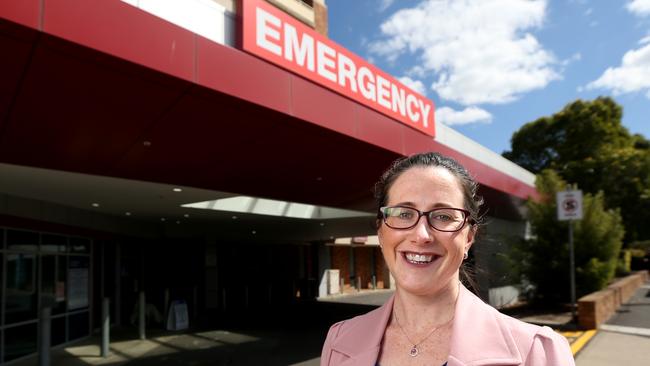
(573, 271)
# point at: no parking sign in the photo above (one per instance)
(569, 205)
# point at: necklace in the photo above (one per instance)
(415, 350)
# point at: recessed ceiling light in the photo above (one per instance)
(234, 217)
(319, 178)
(254, 232)
(162, 219)
(178, 221)
(146, 143)
(322, 224)
(177, 189)
(127, 213)
(331, 237)
(95, 204)
(186, 215)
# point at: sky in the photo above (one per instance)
(491, 66)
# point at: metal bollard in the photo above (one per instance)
(374, 282)
(45, 337)
(106, 326)
(359, 283)
(142, 313)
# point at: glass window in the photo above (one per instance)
(60, 290)
(20, 341)
(22, 240)
(54, 243)
(78, 325)
(79, 245)
(58, 330)
(48, 280)
(21, 300)
(2, 238)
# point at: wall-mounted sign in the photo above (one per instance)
(569, 205)
(279, 38)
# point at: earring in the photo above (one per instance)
(465, 255)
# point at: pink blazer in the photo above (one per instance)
(480, 336)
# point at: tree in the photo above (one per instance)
(544, 259)
(587, 144)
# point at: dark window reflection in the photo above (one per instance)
(61, 285)
(78, 325)
(21, 300)
(20, 341)
(58, 330)
(22, 240)
(2, 238)
(54, 243)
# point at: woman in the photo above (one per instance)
(427, 220)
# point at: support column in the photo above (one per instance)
(45, 337)
(106, 326)
(141, 315)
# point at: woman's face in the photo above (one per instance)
(425, 188)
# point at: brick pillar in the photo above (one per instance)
(363, 265)
(383, 275)
(320, 17)
(341, 261)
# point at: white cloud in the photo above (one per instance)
(633, 75)
(479, 51)
(385, 4)
(413, 84)
(639, 7)
(468, 115)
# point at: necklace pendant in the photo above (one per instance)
(414, 351)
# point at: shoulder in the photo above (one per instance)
(360, 323)
(538, 345)
(353, 336)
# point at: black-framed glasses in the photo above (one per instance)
(445, 219)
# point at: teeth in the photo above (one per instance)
(418, 258)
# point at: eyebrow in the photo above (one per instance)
(411, 204)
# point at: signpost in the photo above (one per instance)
(569, 208)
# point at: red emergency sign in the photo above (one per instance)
(275, 36)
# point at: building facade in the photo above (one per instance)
(144, 149)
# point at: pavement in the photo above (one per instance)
(623, 340)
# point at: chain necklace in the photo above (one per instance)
(415, 350)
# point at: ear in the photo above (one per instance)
(471, 235)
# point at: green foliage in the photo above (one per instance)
(544, 259)
(587, 144)
(624, 265)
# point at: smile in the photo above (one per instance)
(418, 258)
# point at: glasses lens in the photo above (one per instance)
(447, 219)
(400, 217)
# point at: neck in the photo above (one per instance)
(418, 313)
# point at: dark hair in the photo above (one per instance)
(472, 200)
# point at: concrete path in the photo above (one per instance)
(625, 338)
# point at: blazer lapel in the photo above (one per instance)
(479, 337)
(361, 339)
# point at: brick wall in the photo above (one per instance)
(341, 260)
(320, 17)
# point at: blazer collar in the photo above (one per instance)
(479, 335)
(361, 338)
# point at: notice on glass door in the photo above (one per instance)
(78, 277)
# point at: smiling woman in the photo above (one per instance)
(432, 316)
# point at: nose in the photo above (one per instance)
(422, 231)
